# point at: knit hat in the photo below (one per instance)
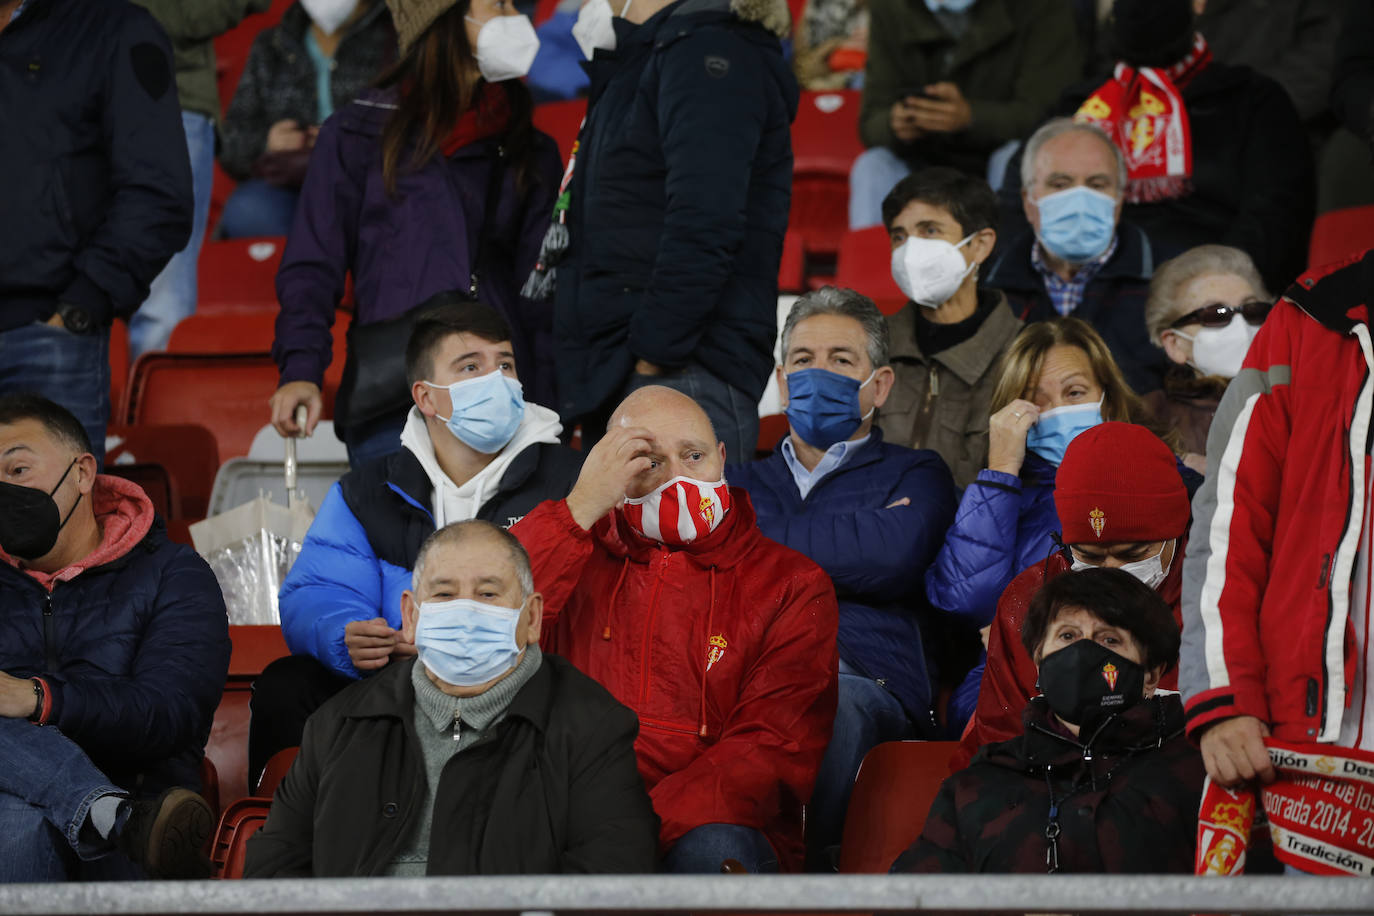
(1119, 483)
(412, 17)
(1151, 33)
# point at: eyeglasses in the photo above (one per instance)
(1217, 315)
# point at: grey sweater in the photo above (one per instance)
(447, 726)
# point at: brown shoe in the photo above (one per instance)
(167, 835)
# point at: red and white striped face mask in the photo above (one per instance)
(680, 511)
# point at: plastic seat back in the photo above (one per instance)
(237, 824)
(561, 120)
(187, 451)
(825, 143)
(892, 794)
(239, 275)
(865, 265)
(275, 771)
(1340, 234)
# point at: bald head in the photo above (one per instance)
(683, 442)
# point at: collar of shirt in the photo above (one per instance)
(1068, 294)
(834, 457)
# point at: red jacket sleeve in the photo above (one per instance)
(558, 549)
(776, 734)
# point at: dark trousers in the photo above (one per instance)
(286, 694)
(71, 369)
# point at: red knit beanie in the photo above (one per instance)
(1119, 483)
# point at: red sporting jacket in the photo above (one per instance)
(1009, 678)
(1276, 527)
(724, 648)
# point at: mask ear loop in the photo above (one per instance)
(61, 480)
(872, 375)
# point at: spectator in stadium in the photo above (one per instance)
(658, 583)
(830, 44)
(96, 194)
(320, 57)
(675, 213)
(1058, 379)
(191, 27)
(1243, 177)
(949, 83)
(1270, 649)
(1121, 504)
(947, 340)
(436, 182)
(1077, 257)
(1101, 779)
(872, 515)
(479, 747)
(118, 641)
(1205, 307)
(471, 448)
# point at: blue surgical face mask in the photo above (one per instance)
(952, 6)
(823, 406)
(1056, 428)
(465, 642)
(486, 410)
(1077, 224)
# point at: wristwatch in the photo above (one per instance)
(75, 318)
(38, 698)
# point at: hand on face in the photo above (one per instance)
(612, 464)
(1007, 431)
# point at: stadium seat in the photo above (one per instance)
(543, 11)
(239, 275)
(865, 264)
(254, 648)
(209, 786)
(119, 361)
(240, 820)
(275, 771)
(792, 267)
(825, 143)
(771, 430)
(892, 794)
(561, 120)
(153, 479)
(187, 451)
(1339, 234)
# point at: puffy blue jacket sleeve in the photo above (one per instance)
(877, 554)
(979, 557)
(336, 579)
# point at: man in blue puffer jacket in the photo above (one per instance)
(873, 516)
(471, 448)
(117, 640)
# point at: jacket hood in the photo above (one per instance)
(773, 15)
(728, 545)
(1337, 295)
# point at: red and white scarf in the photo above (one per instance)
(1320, 812)
(1142, 111)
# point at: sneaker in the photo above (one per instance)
(168, 835)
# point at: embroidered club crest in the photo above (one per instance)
(708, 511)
(715, 650)
(1235, 815)
(1109, 673)
(1098, 520)
(1325, 764)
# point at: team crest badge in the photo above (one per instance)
(715, 651)
(1325, 764)
(708, 512)
(1109, 673)
(1098, 519)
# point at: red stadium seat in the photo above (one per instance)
(561, 120)
(825, 143)
(240, 821)
(187, 451)
(275, 771)
(119, 361)
(544, 10)
(792, 268)
(892, 794)
(209, 786)
(250, 332)
(153, 479)
(865, 264)
(771, 430)
(254, 648)
(1339, 234)
(239, 275)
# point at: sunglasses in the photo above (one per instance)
(1217, 315)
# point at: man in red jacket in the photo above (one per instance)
(658, 583)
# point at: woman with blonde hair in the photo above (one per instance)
(1205, 307)
(1057, 379)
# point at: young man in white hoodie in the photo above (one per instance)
(471, 448)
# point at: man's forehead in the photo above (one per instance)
(27, 434)
(471, 557)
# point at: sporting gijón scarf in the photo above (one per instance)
(1142, 112)
(1320, 811)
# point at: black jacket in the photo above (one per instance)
(554, 790)
(679, 203)
(1113, 301)
(95, 181)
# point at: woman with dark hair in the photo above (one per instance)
(1103, 778)
(432, 184)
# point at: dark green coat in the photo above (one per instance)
(1011, 65)
(192, 25)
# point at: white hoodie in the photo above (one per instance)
(452, 503)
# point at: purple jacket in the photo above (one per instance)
(405, 249)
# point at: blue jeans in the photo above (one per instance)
(702, 850)
(173, 293)
(867, 715)
(47, 786)
(71, 369)
(257, 208)
(872, 176)
(733, 414)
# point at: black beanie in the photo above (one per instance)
(1152, 33)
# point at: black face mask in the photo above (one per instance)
(1086, 682)
(30, 520)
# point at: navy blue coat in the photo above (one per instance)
(678, 206)
(96, 189)
(875, 556)
(135, 653)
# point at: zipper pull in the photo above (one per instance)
(457, 726)
(934, 381)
